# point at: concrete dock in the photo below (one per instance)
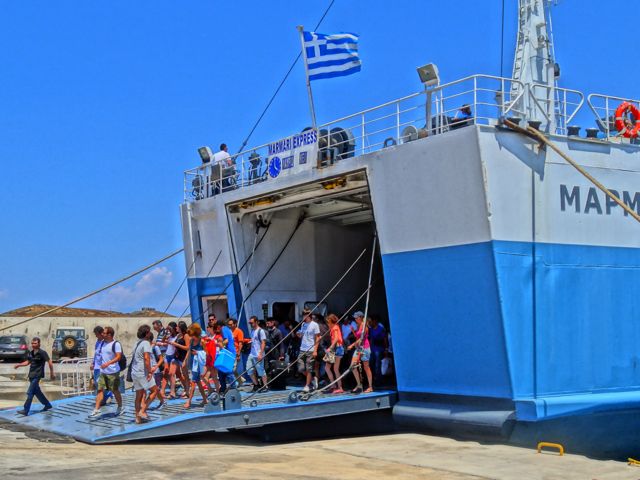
(231, 456)
(222, 456)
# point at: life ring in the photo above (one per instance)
(623, 128)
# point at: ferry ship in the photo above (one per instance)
(497, 240)
(506, 276)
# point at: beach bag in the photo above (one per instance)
(329, 356)
(199, 361)
(225, 361)
(386, 365)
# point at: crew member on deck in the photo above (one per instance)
(227, 167)
(463, 117)
(222, 156)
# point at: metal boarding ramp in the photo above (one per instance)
(69, 417)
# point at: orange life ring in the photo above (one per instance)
(623, 129)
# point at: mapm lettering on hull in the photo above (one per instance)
(590, 200)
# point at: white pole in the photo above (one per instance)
(306, 71)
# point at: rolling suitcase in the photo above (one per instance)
(277, 379)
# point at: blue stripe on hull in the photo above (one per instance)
(446, 321)
(486, 320)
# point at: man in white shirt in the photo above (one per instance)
(310, 335)
(223, 162)
(110, 354)
(222, 156)
(255, 362)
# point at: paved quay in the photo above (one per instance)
(232, 456)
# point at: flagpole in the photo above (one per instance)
(306, 71)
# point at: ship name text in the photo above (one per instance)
(295, 141)
(593, 201)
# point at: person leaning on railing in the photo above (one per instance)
(462, 118)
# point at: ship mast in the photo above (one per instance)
(534, 62)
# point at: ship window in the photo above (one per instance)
(282, 311)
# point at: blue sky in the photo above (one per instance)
(103, 105)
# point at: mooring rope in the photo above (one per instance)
(95, 292)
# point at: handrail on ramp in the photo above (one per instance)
(76, 376)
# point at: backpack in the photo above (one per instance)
(122, 363)
(129, 377)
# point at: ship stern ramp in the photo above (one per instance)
(258, 415)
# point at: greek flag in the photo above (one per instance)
(331, 56)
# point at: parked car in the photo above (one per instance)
(69, 342)
(14, 347)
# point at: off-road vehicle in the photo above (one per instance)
(69, 342)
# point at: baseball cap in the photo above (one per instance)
(358, 314)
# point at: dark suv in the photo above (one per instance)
(69, 342)
(14, 347)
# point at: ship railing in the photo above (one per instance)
(76, 376)
(433, 111)
(243, 169)
(558, 106)
(604, 108)
(430, 112)
(487, 97)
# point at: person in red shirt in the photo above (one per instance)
(211, 374)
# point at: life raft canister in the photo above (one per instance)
(625, 131)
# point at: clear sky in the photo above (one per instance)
(103, 105)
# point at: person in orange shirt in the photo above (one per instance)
(238, 341)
